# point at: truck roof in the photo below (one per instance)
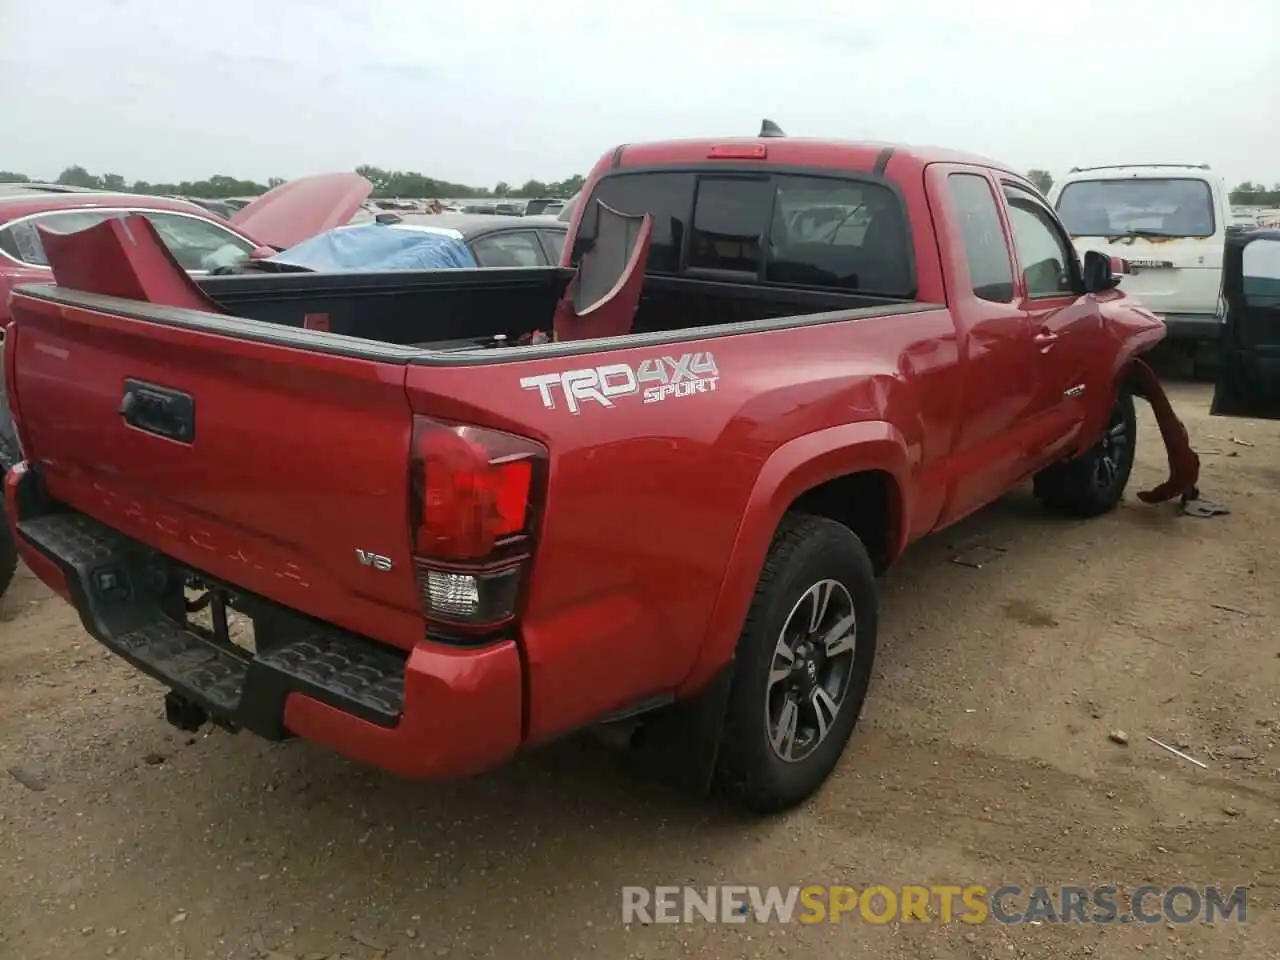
(799, 151)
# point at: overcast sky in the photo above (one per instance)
(477, 92)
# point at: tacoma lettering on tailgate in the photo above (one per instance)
(656, 379)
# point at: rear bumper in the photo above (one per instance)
(1192, 326)
(438, 712)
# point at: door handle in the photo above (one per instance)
(1045, 340)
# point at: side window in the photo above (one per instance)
(667, 196)
(840, 234)
(553, 240)
(516, 249)
(198, 244)
(1260, 266)
(1043, 254)
(990, 271)
(22, 241)
(730, 219)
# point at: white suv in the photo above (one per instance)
(1170, 222)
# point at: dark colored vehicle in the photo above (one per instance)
(1248, 382)
(497, 241)
(454, 547)
(541, 206)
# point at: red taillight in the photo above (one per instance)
(477, 498)
(738, 151)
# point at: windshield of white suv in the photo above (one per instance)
(1139, 207)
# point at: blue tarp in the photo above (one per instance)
(378, 246)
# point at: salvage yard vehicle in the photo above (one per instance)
(1248, 382)
(454, 547)
(1169, 221)
(470, 240)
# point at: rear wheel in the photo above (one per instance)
(1093, 483)
(802, 665)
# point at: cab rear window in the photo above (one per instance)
(812, 231)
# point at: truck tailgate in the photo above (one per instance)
(269, 466)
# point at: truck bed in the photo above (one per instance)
(437, 309)
(457, 309)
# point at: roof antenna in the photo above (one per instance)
(770, 129)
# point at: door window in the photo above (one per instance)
(21, 240)
(553, 241)
(1046, 259)
(990, 271)
(1261, 274)
(515, 249)
(198, 244)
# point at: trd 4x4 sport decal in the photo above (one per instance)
(656, 379)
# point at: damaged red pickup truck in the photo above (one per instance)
(775, 363)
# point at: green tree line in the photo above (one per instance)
(387, 185)
(1256, 195)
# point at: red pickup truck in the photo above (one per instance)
(657, 481)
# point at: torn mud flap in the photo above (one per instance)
(1184, 464)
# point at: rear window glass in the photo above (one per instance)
(797, 230)
(730, 220)
(1138, 206)
(668, 196)
(841, 234)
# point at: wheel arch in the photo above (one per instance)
(858, 474)
(1119, 376)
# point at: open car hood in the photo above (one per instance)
(302, 208)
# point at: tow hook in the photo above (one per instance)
(183, 714)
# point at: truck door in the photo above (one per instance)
(1066, 327)
(1249, 379)
(995, 348)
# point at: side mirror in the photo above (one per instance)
(1101, 272)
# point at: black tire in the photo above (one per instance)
(1092, 483)
(9, 446)
(806, 555)
(8, 552)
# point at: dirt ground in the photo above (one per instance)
(983, 757)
